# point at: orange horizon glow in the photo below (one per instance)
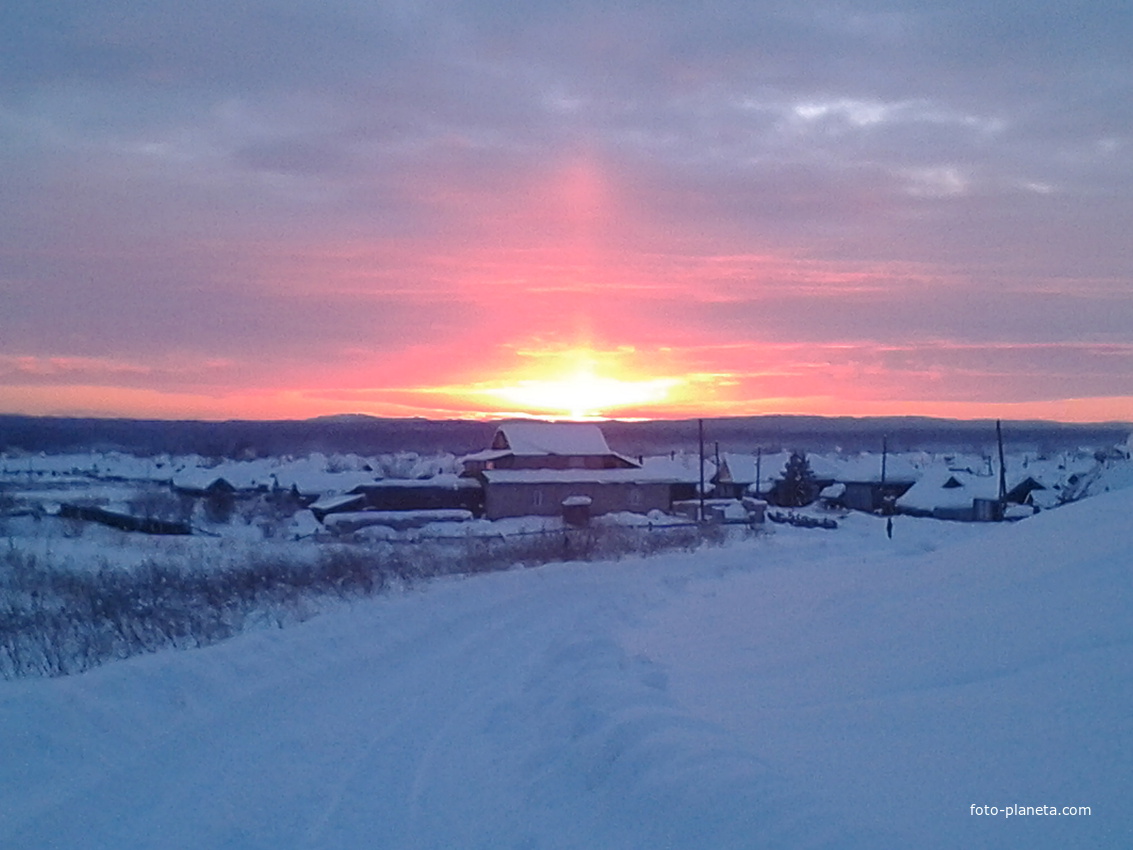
(560, 304)
(580, 397)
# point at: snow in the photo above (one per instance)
(864, 467)
(742, 467)
(791, 689)
(353, 520)
(553, 438)
(311, 474)
(904, 690)
(798, 689)
(867, 468)
(578, 476)
(943, 488)
(330, 503)
(447, 481)
(680, 468)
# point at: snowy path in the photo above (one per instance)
(812, 689)
(491, 712)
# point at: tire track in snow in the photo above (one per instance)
(495, 711)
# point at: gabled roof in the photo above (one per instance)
(547, 438)
(946, 488)
(740, 468)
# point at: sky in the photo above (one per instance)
(251, 209)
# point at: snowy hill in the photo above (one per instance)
(807, 689)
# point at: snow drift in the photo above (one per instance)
(809, 689)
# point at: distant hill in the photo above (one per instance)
(369, 435)
(243, 438)
(853, 434)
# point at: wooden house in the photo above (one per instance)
(870, 483)
(545, 492)
(959, 495)
(545, 445)
(548, 469)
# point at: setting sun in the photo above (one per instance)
(574, 384)
(583, 395)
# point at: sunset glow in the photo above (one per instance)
(583, 395)
(426, 212)
(573, 384)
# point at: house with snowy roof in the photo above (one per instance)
(546, 469)
(869, 482)
(547, 445)
(738, 473)
(951, 494)
(742, 474)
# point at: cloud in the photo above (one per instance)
(406, 194)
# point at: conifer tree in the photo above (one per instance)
(797, 487)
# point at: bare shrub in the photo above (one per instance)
(55, 620)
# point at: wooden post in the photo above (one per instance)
(714, 489)
(758, 471)
(881, 489)
(700, 433)
(1002, 466)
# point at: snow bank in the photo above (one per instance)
(903, 689)
(798, 690)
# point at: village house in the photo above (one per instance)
(557, 469)
(960, 495)
(743, 475)
(738, 474)
(547, 445)
(871, 483)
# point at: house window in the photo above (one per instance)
(537, 498)
(635, 498)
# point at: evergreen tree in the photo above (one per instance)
(797, 487)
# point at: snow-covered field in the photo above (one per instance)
(807, 688)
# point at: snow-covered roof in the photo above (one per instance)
(485, 455)
(445, 480)
(308, 475)
(834, 491)
(682, 468)
(741, 467)
(551, 438)
(576, 476)
(944, 488)
(330, 503)
(867, 468)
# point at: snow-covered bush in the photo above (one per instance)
(58, 618)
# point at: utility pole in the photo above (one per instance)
(758, 471)
(884, 456)
(717, 476)
(1002, 466)
(700, 434)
